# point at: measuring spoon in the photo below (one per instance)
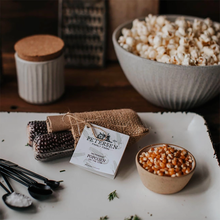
(39, 191)
(15, 200)
(24, 178)
(52, 183)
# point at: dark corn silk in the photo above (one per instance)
(35, 128)
(53, 145)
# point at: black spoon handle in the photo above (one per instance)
(21, 169)
(31, 173)
(21, 175)
(14, 173)
(7, 182)
(14, 178)
(4, 188)
(7, 163)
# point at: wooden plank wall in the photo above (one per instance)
(121, 11)
(23, 18)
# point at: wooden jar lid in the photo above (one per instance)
(39, 47)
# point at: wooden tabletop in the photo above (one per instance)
(96, 89)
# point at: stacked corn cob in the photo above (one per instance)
(46, 145)
(35, 128)
(52, 138)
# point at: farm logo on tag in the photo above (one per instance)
(104, 141)
(102, 136)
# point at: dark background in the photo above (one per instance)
(21, 18)
(199, 8)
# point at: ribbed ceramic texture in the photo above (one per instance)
(40, 82)
(171, 86)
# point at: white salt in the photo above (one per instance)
(18, 200)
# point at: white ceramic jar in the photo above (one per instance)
(40, 82)
(40, 75)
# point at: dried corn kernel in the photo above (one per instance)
(35, 128)
(166, 161)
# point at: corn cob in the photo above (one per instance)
(53, 145)
(35, 128)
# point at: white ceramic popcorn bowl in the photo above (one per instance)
(168, 85)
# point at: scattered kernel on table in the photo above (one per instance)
(166, 161)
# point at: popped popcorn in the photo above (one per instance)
(180, 42)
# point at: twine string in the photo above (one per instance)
(79, 120)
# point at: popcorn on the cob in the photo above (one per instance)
(53, 145)
(35, 128)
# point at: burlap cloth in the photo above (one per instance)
(125, 121)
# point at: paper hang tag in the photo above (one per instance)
(101, 154)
